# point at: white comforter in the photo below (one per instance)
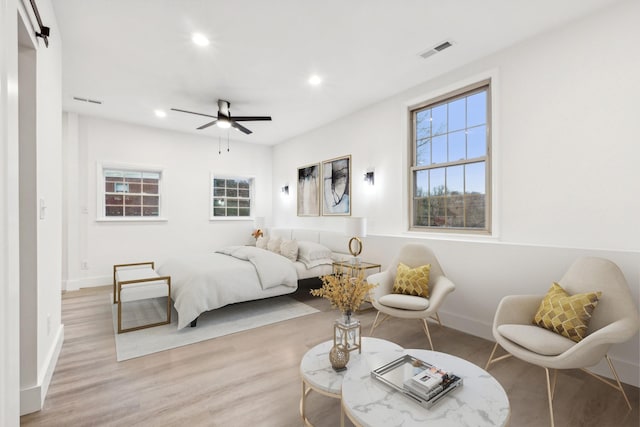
(234, 274)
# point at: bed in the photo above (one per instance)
(236, 274)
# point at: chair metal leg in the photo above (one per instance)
(609, 383)
(436, 318)
(426, 329)
(497, 359)
(550, 396)
(615, 374)
(376, 323)
(495, 347)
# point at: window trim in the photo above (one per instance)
(450, 93)
(252, 197)
(100, 193)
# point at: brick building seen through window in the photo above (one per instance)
(131, 193)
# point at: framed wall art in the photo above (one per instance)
(308, 190)
(336, 186)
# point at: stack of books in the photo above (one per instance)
(429, 381)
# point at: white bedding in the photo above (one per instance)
(235, 274)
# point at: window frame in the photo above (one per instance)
(102, 167)
(444, 98)
(252, 194)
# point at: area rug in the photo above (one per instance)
(223, 321)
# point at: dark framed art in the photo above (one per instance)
(336, 186)
(308, 190)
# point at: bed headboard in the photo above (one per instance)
(335, 241)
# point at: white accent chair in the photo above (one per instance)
(614, 320)
(409, 306)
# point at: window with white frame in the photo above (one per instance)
(231, 197)
(130, 193)
(450, 163)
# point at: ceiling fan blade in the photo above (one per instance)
(251, 118)
(193, 112)
(208, 124)
(239, 127)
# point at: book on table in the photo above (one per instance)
(428, 381)
(417, 379)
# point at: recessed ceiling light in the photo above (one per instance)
(160, 113)
(199, 39)
(315, 80)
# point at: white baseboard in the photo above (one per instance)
(87, 282)
(627, 371)
(467, 325)
(32, 398)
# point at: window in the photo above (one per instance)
(450, 163)
(130, 193)
(231, 197)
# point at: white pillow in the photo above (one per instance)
(289, 249)
(261, 242)
(274, 244)
(311, 251)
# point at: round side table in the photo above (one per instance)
(318, 375)
(480, 401)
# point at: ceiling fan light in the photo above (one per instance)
(223, 124)
(315, 80)
(199, 39)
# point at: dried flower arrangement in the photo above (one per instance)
(257, 233)
(345, 293)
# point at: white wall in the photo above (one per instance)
(43, 305)
(9, 213)
(565, 169)
(187, 161)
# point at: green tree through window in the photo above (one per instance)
(450, 162)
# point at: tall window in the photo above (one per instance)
(231, 197)
(131, 193)
(450, 168)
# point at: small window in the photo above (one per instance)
(450, 162)
(231, 197)
(130, 193)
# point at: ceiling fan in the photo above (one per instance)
(225, 120)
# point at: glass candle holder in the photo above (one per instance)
(347, 332)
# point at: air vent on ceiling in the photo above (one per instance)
(92, 101)
(435, 49)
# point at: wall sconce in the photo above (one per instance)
(285, 190)
(368, 177)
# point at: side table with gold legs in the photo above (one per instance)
(318, 375)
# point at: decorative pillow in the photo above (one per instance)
(289, 249)
(274, 244)
(261, 242)
(412, 281)
(564, 314)
(311, 251)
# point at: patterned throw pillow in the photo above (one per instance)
(564, 314)
(412, 281)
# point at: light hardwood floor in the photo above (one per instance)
(252, 378)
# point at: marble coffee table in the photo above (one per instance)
(318, 375)
(480, 401)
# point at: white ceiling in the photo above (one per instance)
(137, 56)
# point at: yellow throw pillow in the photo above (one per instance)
(412, 281)
(564, 314)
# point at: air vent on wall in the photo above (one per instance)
(92, 101)
(435, 49)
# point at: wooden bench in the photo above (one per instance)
(139, 281)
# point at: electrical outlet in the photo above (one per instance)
(84, 265)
